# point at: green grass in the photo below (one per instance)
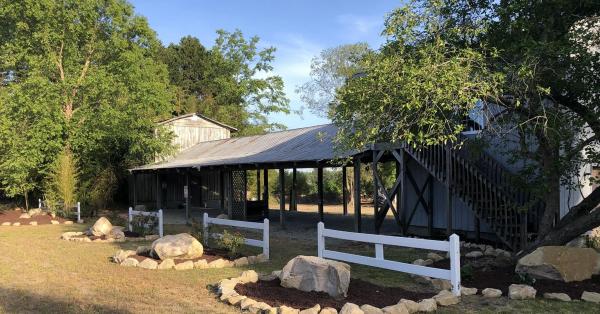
(40, 273)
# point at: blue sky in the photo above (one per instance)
(298, 29)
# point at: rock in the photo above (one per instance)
(130, 262)
(491, 293)
(35, 211)
(6, 223)
(25, 216)
(468, 291)
(593, 297)
(102, 227)
(226, 285)
(521, 292)
(144, 250)
(225, 296)
(434, 257)
(166, 264)
(242, 261)
(259, 307)
(248, 276)
(445, 298)
(441, 284)
(222, 216)
(287, 310)
(33, 223)
(151, 237)
(474, 254)
(252, 259)
(424, 280)
(410, 305)
(116, 233)
(489, 252)
(235, 299)
(313, 310)
(422, 262)
(276, 273)
(395, 309)
(68, 222)
(200, 264)
(427, 305)
(328, 310)
(560, 263)
(16, 224)
(246, 303)
(148, 264)
(351, 308)
(261, 258)
(184, 266)
(311, 273)
(557, 296)
(121, 255)
(266, 277)
(369, 309)
(503, 253)
(218, 263)
(181, 245)
(54, 222)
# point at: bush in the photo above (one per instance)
(231, 242)
(144, 225)
(466, 272)
(61, 186)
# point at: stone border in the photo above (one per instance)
(35, 223)
(122, 257)
(76, 237)
(226, 291)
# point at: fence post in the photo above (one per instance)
(320, 239)
(129, 217)
(266, 238)
(39, 203)
(205, 228)
(455, 264)
(379, 251)
(78, 212)
(160, 223)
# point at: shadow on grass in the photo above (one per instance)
(24, 301)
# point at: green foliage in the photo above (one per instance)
(231, 82)
(102, 188)
(524, 278)
(144, 225)
(231, 241)
(62, 182)
(466, 272)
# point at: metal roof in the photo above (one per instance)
(310, 144)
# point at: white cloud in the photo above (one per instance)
(360, 25)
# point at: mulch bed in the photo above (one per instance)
(12, 216)
(209, 255)
(359, 292)
(503, 276)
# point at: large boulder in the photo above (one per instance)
(311, 273)
(102, 227)
(178, 246)
(560, 263)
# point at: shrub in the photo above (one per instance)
(144, 225)
(466, 272)
(61, 187)
(525, 278)
(231, 242)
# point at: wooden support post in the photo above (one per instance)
(134, 189)
(158, 191)
(375, 192)
(294, 195)
(449, 190)
(344, 192)
(320, 192)
(282, 197)
(357, 213)
(187, 196)
(258, 184)
(402, 192)
(430, 205)
(266, 191)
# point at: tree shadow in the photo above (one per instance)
(24, 301)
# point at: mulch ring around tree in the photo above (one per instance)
(488, 273)
(12, 218)
(359, 292)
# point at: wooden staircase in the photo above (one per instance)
(485, 185)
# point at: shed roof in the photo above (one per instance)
(309, 145)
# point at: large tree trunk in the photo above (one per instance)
(583, 217)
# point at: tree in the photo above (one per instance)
(231, 82)
(328, 72)
(532, 64)
(92, 65)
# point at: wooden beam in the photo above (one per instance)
(266, 191)
(158, 191)
(402, 161)
(449, 210)
(375, 191)
(357, 213)
(282, 197)
(258, 184)
(320, 192)
(134, 189)
(187, 197)
(430, 211)
(294, 194)
(344, 192)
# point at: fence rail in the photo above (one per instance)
(264, 226)
(452, 246)
(158, 214)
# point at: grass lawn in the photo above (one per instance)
(40, 273)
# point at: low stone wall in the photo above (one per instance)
(84, 237)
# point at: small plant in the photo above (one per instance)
(197, 230)
(231, 242)
(466, 272)
(592, 241)
(525, 278)
(144, 225)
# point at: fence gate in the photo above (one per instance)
(238, 195)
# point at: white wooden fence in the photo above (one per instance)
(158, 214)
(41, 205)
(452, 246)
(264, 226)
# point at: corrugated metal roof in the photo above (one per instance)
(298, 145)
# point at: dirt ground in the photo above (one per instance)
(41, 274)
